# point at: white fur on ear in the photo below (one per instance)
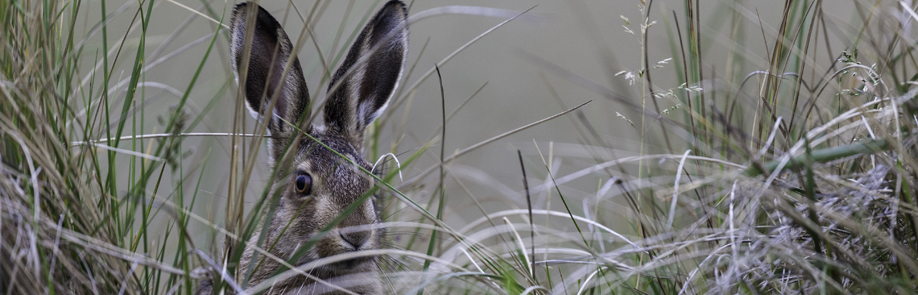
(365, 109)
(328, 155)
(274, 77)
(370, 73)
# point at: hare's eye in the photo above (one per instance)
(303, 184)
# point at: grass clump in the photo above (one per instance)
(799, 181)
(77, 195)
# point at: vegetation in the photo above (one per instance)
(793, 177)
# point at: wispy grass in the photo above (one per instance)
(821, 202)
(76, 209)
(793, 177)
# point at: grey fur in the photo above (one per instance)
(368, 77)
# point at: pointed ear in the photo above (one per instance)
(266, 74)
(369, 74)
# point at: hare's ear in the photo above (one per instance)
(267, 75)
(369, 74)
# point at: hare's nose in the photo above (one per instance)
(356, 238)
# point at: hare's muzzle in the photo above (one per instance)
(355, 239)
(358, 231)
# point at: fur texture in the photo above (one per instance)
(276, 92)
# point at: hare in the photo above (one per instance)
(314, 182)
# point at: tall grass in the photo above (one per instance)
(796, 176)
(78, 194)
(793, 178)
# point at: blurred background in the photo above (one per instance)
(556, 55)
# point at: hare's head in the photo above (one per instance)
(320, 168)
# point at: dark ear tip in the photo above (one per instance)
(395, 2)
(240, 8)
(264, 20)
(239, 13)
(396, 5)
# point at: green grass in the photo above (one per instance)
(794, 177)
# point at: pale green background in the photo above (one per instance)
(584, 37)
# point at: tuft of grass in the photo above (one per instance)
(799, 183)
(78, 195)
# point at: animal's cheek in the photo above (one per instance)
(327, 247)
(297, 221)
(321, 210)
(371, 210)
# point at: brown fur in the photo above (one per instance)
(368, 77)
